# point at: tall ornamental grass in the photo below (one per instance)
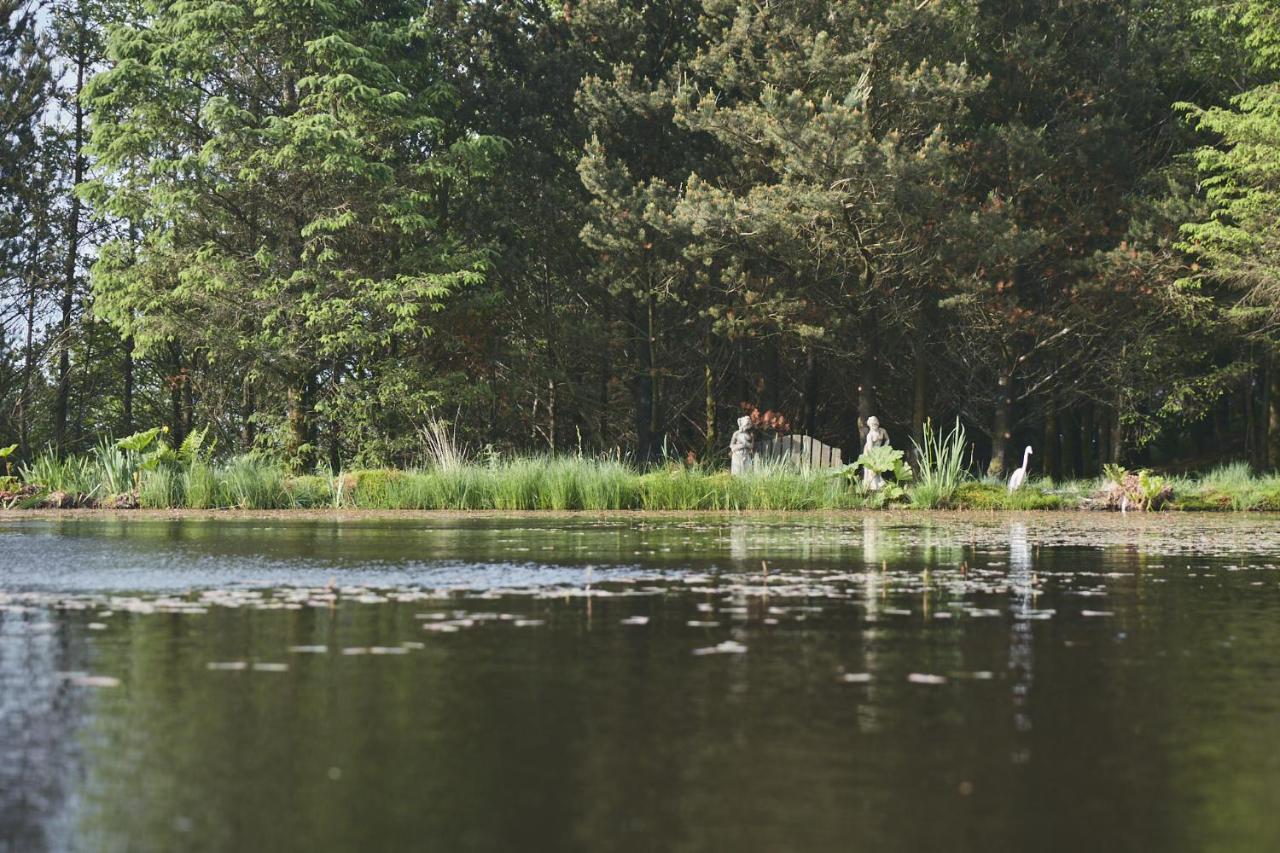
(1228, 487)
(942, 464)
(243, 482)
(580, 483)
(75, 475)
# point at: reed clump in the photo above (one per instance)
(942, 466)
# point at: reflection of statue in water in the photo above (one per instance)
(741, 447)
(739, 548)
(871, 541)
(876, 437)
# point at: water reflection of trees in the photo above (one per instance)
(39, 714)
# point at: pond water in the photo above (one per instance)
(635, 683)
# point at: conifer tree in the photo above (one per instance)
(835, 122)
(291, 170)
(635, 158)
(1237, 240)
(25, 80)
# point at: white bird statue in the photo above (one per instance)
(1015, 481)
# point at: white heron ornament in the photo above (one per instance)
(1016, 480)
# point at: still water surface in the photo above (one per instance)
(877, 683)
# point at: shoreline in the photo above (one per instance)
(361, 513)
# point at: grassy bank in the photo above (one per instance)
(110, 477)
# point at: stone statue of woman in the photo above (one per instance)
(876, 437)
(741, 448)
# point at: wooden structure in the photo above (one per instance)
(801, 450)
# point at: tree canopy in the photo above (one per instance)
(616, 226)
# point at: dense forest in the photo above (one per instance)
(615, 226)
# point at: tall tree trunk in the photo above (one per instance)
(127, 425)
(332, 422)
(1222, 438)
(709, 409)
(1249, 387)
(552, 426)
(1088, 440)
(1116, 442)
(63, 399)
(174, 380)
(298, 451)
(28, 366)
(1070, 447)
(651, 390)
(77, 430)
(175, 409)
(810, 425)
(606, 377)
(866, 381)
(1103, 431)
(494, 392)
(188, 403)
(771, 399)
(920, 385)
(1262, 412)
(1273, 416)
(1001, 425)
(709, 401)
(248, 405)
(644, 403)
(655, 381)
(553, 361)
(1052, 460)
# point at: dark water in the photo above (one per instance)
(1050, 683)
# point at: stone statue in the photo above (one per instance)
(876, 437)
(741, 448)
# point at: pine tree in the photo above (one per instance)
(1237, 240)
(829, 215)
(25, 81)
(633, 161)
(25, 89)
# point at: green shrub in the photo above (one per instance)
(371, 488)
(979, 495)
(312, 491)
